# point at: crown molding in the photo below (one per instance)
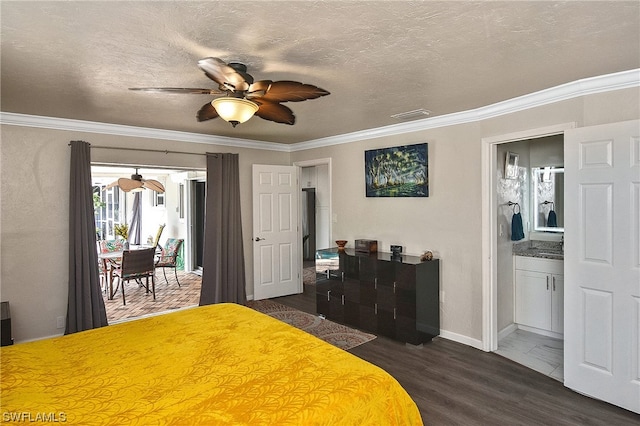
(587, 86)
(583, 87)
(53, 123)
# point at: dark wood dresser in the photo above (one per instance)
(392, 296)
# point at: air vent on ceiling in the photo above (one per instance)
(410, 115)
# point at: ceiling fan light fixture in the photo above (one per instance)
(234, 110)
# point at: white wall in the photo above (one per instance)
(34, 215)
(449, 221)
(34, 212)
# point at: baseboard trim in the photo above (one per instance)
(465, 340)
(507, 331)
(546, 333)
(38, 338)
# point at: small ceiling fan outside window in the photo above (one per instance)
(136, 183)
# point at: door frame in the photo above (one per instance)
(190, 258)
(312, 163)
(489, 220)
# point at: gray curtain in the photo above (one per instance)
(134, 228)
(223, 275)
(85, 308)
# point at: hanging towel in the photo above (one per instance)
(517, 232)
(552, 220)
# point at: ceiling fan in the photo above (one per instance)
(136, 183)
(244, 97)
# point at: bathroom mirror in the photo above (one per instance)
(547, 205)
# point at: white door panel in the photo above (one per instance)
(602, 262)
(276, 239)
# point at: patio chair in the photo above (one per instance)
(158, 234)
(136, 265)
(108, 246)
(169, 256)
(107, 265)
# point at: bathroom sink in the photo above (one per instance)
(539, 249)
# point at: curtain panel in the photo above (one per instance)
(85, 308)
(223, 274)
(135, 234)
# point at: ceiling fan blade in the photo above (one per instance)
(127, 184)
(111, 185)
(293, 91)
(207, 112)
(217, 70)
(153, 185)
(258, 89)
(275, 112)
(187, 90)
(241, 69)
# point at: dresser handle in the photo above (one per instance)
(394, 313)
(375, 308)
(328, 295)
(553, 280)
(342, 276)
(375, 283)
(343, 299)
(394, 286)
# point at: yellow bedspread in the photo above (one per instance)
(215, 365)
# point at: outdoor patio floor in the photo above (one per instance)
(168, 297)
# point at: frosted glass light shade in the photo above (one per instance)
(234, 110)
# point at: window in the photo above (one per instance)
(181, 201)
(107, 207)
(158, 199)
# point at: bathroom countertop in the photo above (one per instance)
(540, 249)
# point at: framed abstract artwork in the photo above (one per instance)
(401, 171)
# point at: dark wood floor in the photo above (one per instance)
(454, 384)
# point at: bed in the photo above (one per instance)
(222, 364)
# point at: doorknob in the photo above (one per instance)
(259, 239)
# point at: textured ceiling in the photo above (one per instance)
(77, 59)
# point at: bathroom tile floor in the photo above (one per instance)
(540, 353)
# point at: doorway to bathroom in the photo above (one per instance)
(521, 326)
(530, 225)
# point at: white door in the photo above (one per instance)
(602, 262)
(276, 238)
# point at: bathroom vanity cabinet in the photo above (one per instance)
(539, 295)
(393, 296)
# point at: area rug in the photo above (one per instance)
(336, 334)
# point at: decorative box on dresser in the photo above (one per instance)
(392, 296)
